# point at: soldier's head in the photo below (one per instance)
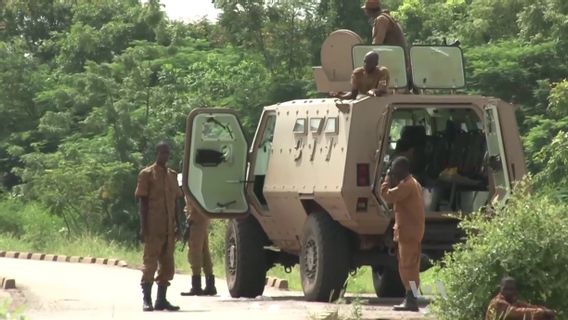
(509, 289)
(372, 8)
(400, 168)
(371, 61)
(162, 153)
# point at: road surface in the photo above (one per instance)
(52, 290)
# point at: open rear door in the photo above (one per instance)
(496, 157)
(215, 163)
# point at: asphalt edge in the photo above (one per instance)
(272, 282)
(62, 258)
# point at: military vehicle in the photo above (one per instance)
(305, 190)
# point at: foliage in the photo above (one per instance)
(7, 314)
(515, 242)
(553, 158)
(88, 87)
(30, 222)
(543, 128)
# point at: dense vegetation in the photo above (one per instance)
(88, 87)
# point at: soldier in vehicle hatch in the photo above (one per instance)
(157, 191)
(371, 79)
(401, 189)
(386, 30)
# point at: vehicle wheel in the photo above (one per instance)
(387, 283)
(324, 258)
(245, 258)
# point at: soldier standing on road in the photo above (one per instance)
(371, 79)
(157, 191)
(506, 307)
(401, 189)
(198, 253)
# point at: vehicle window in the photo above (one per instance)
(265, 146)
(315, 125)
(300, 125)
(214, 130)
(331, 125)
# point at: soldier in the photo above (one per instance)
(388, 31)
(385, 29)
(506, 307)
(198, 254)
(370, 79)
(401, 189)
(157, 191)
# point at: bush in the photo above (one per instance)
(10, 220)
(526, 239)
(30, 222)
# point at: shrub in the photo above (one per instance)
(10, 220)
(526, 239)
(30, 222)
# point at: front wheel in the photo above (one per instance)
(245, 258)
(387, 283)
(324, 258)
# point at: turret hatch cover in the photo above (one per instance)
(336, 54)
(391, 57)
(437, 67)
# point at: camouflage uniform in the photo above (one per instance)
(159, 186)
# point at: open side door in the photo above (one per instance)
(215, 163)
(496, 157)
(381, 159)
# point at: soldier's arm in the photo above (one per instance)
(383, 83)
(354, 89)
(396, 194)
(380, 29)
(141, 193)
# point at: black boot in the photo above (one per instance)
(161, 302)
(195, 287)
(210, 289)
(147, 300)
(410, 303)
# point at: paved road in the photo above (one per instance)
(52, 290)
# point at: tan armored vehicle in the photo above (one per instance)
(305, 189)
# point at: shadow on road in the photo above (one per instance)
(368, 301)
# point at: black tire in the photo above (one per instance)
(245, 258)
(324, 259)
(387, 283)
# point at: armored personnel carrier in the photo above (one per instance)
(305, 189)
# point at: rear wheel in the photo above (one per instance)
(324, 259)
(387, 283)
(245, 258)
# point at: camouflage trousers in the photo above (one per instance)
(198, 253)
